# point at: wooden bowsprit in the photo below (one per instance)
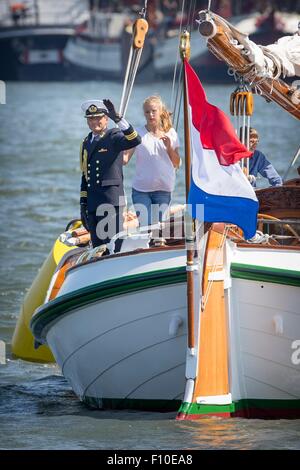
(225, 42)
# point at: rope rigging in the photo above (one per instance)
(139, 31)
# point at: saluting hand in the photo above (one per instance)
(112, 114)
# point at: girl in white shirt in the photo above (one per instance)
(157, 158)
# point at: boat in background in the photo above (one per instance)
(33, 36)
(69, 41)
(100, 46)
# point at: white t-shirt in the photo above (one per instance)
(154, 169)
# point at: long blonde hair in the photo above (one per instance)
(165, 115)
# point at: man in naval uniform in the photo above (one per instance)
(101, 160)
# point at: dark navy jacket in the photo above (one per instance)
(102, 167)
(258, 163)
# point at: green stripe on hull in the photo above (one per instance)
(265, 274)
(103, 290)
(195, 409)
(247, 408)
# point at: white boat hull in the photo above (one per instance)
(126, 350)
(118, 330)
(131, 350)
(264, 324)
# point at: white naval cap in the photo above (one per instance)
(94, 108)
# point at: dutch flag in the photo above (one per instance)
(217, 180)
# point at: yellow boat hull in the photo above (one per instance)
(23, 340)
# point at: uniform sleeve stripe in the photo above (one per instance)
(131, 136)
(83, 194)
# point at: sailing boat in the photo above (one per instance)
(118, 327)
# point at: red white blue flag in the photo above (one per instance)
(217, 180)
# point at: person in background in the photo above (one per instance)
(258, 163)
(157, 159)
(101, 160)
(154, 15)
(169, 10)
(18, 11)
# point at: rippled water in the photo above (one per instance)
(41, 129)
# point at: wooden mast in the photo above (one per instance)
(185, 55)
(207, 354)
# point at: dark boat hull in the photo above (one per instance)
(34, 53)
